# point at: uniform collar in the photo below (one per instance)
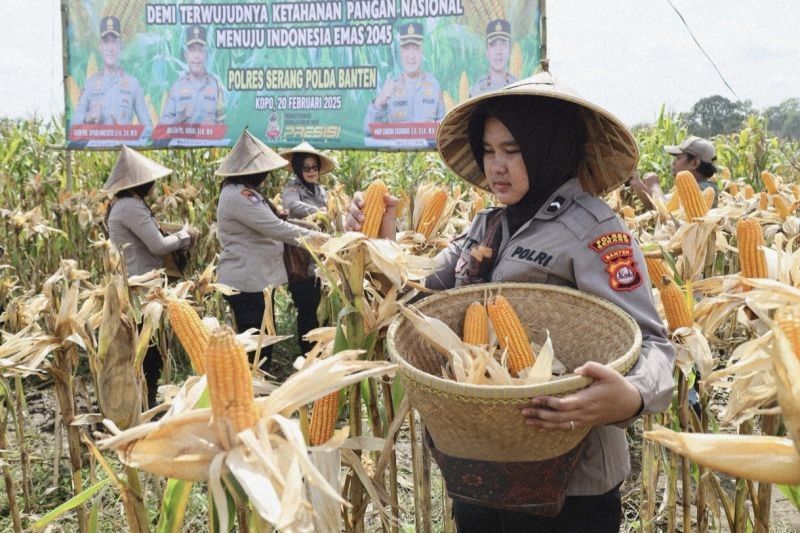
(559, 200)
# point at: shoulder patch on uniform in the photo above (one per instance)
(623, 275)
(595, 206)
(250, 195)
(602, 242)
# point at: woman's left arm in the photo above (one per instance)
(647, 388)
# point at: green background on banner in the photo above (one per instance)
(454, 52)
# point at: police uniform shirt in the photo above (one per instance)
(251, 237)
(485, 84)
(576, 240)
(414, 100)
(134, 231)
(194, 101)
(115, 97)
(300, 202)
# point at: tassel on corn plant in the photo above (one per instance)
(510, 334)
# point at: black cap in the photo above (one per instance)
(109, 25)
(195, 34)
(498, 29)
(411, 32)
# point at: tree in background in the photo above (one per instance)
(784, 119)
(714, 115)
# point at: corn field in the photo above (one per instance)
(330, 443)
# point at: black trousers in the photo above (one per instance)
(151, 368)
(580, 514)
(248, 311)
(306, 295)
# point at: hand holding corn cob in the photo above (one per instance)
(368, 215)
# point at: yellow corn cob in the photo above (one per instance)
(694, 206)
(74, 92)
(708, 197)
(782, 206)
(628, 212)
(763, 201)
(796, 191)
(448, 102)
(431, 212)
(476, 324)
(674, 302)
(749, 239)
(190, 330)
(515, 61)
(674, 202)
(748, 192)
(788, 319)
(229, 383)
(323, 419)
(656, 268)
(726, 173)
(733, 189)
(374, 207)
(769, 182)
(463, 87)
(510, 334)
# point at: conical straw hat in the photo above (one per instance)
(610, 149)
(133, 169)
(326, 163)
(249, 156)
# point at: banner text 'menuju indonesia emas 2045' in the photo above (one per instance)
(340, 74)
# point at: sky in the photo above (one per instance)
(628, 56)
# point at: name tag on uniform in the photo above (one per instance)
(530, 256)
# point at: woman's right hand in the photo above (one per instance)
(355, 216)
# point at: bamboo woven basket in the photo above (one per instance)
(484, 421)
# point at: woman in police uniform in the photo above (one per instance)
(134, 231)
(547, 154)
(250, 232)
(304, 195)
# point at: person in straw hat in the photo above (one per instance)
(133, 229)
(304, 195)
(251, 233)
(547, 155)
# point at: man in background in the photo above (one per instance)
(498, 51)
(112, 96)
(196, 97)
(412, 96)
(697, 156)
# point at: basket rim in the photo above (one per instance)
(559, 385)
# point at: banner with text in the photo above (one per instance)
(340, 73)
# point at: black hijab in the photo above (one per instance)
(297, 167)
(550, 135)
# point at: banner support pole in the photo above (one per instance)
(543, 29)
(64, 76)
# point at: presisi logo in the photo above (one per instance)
(540, 258)
(312, 132)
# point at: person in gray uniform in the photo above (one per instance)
(134, 231)
(251, 232)
(196, 97)
(498, 51)
(547, 155)
(112, 96)
(304, 195)
(412, 96)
